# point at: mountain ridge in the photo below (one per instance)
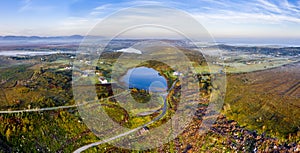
(13, 37)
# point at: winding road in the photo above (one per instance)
(58, 107)
(37, 110)
(164, 96)
(164, 110)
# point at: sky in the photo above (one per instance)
(275, 19)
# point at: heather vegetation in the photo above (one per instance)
(261, 110)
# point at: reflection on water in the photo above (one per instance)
(145, 78)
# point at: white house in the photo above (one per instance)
(177, 73)
(68, 68)
(102, 80)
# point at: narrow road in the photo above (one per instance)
(83, 148)
(58, 107)
(37, 110)
(164, 96)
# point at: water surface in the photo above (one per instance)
(145, 78)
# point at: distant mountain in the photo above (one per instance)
(38, 37)
(75, 37)
(276, 51)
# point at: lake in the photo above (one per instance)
(145, 78)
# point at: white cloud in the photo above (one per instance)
(290, 7)
(259, 11)
(236, 17)
(75, 25)
(143, 2)
(221, 3)
(221, 17)
(100, 9)
(268, 6)
(233, 17)
(28, 5)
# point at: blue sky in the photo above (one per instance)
(223, 19)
